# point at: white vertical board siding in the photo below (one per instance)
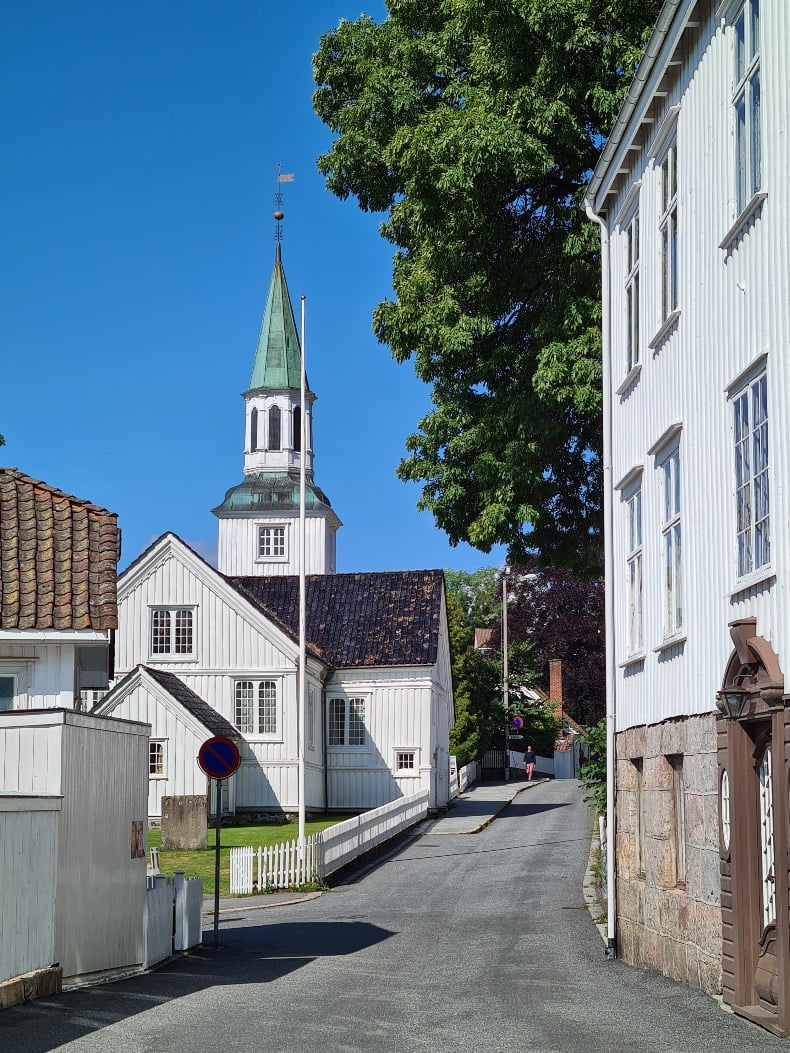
(238, 546)
(101, 889)
(28, 865)
(30, 752)
(727, 321)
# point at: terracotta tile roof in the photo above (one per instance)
(389, 618)
(58, 558)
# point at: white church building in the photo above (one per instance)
(203, 651)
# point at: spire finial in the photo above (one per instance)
(279, 215)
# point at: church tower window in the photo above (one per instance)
(274, 428)
(254, 431)
(297, 427)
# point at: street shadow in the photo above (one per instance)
(519, 807)
(246, 955)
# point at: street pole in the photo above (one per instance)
(302, 679)
(216, 860)
(505, 689)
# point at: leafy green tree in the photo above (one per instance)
(473, 126)
(593, 772)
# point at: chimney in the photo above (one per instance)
(555, 686)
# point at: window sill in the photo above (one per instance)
(670, 641)
(172, 658)
(630, 379)
(743, 220)
(157, 778)
(667, 326)
(349, 749)
(751, 581)
(632, 659)
(261, 740)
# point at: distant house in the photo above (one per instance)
(201, 649)
(58, 610)
(693, 199)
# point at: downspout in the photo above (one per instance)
(609, 613)
(324, 745)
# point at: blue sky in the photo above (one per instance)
(140, 147)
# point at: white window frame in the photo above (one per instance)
(672, 540)
(263, 717)
(14, 692)
(406, 770)
(339, 733)
(21, 672)
(271, 542)
(746, 103)
(631, 255)
(668, 231)
(157, 747)
(634, 562)
(174, 651)
(750, 431)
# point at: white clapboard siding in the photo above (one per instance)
(238, 539)
(726, 323)
(28, 864)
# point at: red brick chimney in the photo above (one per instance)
(555, 686)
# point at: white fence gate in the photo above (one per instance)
(173, 916)
(283, 865)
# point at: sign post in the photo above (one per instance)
(218, 758)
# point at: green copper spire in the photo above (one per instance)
(278, 357)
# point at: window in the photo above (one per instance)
(404, 760)
(311, 717)
(156, 758)
(634, 572)
(274, 428)
(668, 227)
(7, 692)
(172, 630)
(347, 722)
(271, 542)
(254, 430)
(679, 808)
(750, 426)
(671, 533)
(256, 707)
(297, 428)
(632, 292)
(746, 102)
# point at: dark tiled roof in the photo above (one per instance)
(389, 618)
(58, 558)
(194, 704)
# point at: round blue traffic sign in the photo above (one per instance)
(218, 757)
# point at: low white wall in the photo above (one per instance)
(28, 873)
(158, 920)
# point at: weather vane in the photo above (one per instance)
(279, 215)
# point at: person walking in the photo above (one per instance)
(529, 763)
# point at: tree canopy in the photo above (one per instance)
(474, 126)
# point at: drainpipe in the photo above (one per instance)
(609, 627)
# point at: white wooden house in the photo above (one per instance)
(201, 649)
(58, 558)
(692, 196)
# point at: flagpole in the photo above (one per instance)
(302, 585)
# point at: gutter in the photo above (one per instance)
(609, 627)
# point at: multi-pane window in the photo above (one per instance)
(172, 630)
(668, 227)
(156, 758)
(346, 722)
(671, 532)
(634, 572)
(274, 428)
(632, 292)
(271, 542)
(750, 426)
(404, 760)
(256, 707)
(746, 101)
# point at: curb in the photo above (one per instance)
(261, 906)
(590, 890)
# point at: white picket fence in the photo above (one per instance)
(284, 865)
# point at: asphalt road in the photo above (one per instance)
(450, 944)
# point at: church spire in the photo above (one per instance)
(278, 355)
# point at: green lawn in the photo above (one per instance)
(200, 862)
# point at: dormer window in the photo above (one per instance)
(274, 428)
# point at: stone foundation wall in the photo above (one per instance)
(670, 926)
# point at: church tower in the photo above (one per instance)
(259, 518)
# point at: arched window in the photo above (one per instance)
(253, 431)
(274, 428)
(297, 425)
